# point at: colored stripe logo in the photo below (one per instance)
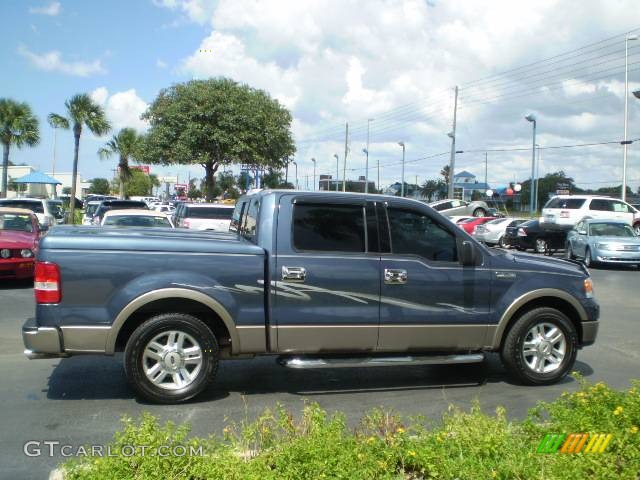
(574, 443)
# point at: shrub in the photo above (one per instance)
(465, 445)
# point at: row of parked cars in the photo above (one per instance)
(593, 229)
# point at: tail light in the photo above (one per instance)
(522, 232)
(186, 224)
(47, 284)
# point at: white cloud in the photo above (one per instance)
(53, 9)
(161, 63)
(52, 62)
(123, 109)
(196, 10)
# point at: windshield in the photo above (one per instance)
(137, 221)
(610, 230)
(16, 222)
(91, 208)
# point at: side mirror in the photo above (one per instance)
(467, 254)
(582, 232)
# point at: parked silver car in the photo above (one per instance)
(492, 232)
(603, 241)
(455, 207)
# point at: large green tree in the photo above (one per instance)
(217, 122)
(100, 186)
(19, 127)
(81, 111)
(126, 145)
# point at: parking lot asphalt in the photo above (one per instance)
(80, 400)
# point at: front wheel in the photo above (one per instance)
(479, 212)
(171, 358)
(540, 348)
(588, 262)
(502, 242)
(636, 229)
(541, 245)
(568, 251)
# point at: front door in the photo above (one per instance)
(326, 279)
(429, 301)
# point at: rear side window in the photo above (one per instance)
(601, 205)
(329, 228)
(35, 207)
(236, 216)
(250, 220)
(566, 203)
(215, 213)
(414, 233)
(442, 206)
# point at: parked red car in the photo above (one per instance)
(19, 236)
(473, 222)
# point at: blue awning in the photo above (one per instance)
(37, 177)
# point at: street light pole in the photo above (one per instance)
(402, 177)
(626, 114)
(314, 173)
(337, 171)
(296, 165)
(532, 118)
(366, 165)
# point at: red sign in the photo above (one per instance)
(142, 168)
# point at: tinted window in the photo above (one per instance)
(442, 206)
(328, 228)
(33, 206)
(567, 203)
(250, 220)
(515, 223)
(416, 234)
(137, 221)
(621, 207)
(610, 230)
(601, 205)
(216, 213)
(16, 222)
(236, 216)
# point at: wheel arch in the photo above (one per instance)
(167, 300)
(544, 297)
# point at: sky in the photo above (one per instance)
(395, 62)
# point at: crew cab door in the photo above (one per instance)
(429, 301)
(326, 280)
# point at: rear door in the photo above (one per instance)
(326, 276)
(429, 301)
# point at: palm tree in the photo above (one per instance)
(126, 144)
(429, 188)
(19, 127)
(81, 111)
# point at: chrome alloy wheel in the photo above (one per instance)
(172, 360)
(544, 348)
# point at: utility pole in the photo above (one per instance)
(53, 167)
(452, 135)
(378, 166)
(346, 151)
(486, 184)
(314, 173)
(366, 165)
(337, 171)
(402, 175)
(625, 143)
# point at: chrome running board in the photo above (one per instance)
(356, 362)
(31, 355)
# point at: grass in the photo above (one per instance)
(465, 445)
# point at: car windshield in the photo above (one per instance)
(55, 207)
(16, 222)
(610, 230)
(567, 203)
(137, 221)
(217, 213)
(91, 208)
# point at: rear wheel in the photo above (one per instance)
(540, 347)
(636, 228)
(479, 212)
(568, 251)
(541, 245)
(171, 358)
(502, 242)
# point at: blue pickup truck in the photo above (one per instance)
(320, 279)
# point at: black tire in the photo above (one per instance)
(150, 329)
(502, 243)
(587, 260)
(512, 347)
(479, 212)
(568, 251)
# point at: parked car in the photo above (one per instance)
(205, 216)
(567, 210)
(321, 279)
(166, 209)
(492, 232)
(459, 218)
(470, 224)
(530, 235)
(19, 236)
(92, 197)
(454, 207)
(49, 211)
(89, 211)
(597, 241)
(107, 205)
(135, 218)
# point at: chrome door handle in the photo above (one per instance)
(294, 274)
(394, 276)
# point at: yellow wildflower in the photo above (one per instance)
(618, 410)
(400, 430)
(634, 429)
(413, 454)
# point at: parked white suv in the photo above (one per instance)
(567, 210)
(205, 216)
(49, 211)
